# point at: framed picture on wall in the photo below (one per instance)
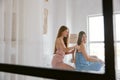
(46, 0)
(45, 20)
(73, 38)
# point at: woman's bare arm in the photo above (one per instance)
(60, 44)
(87, 57)
(73, 56)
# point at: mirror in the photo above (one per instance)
(29, 30)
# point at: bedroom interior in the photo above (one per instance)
(28, 29)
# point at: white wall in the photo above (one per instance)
(1, 31)
(116, 6)
(32, 30)
(81, 9)
(1, 36)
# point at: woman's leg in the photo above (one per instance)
(65, 66)
(93, 66)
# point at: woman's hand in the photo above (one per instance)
(101, 61)
(72, 60)
(70, 52)
(94, 56)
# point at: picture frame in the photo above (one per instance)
(45, 21)
(46, 0)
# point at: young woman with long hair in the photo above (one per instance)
(61, 49)
(83, 61)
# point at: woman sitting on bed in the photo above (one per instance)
(83, 61)
(61, 49)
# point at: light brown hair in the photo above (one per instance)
(65, 39)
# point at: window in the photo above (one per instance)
(117, 39)
(96, 36)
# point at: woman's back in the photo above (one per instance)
(83, 60)
(80, 59)
(81, 63)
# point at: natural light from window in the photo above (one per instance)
(96, 28)
(117, 16)
(117, 28)
(96, 36)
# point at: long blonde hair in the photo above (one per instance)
(65, 39)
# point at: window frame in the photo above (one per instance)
(72, 75)
(116, 41)
(88, 27)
